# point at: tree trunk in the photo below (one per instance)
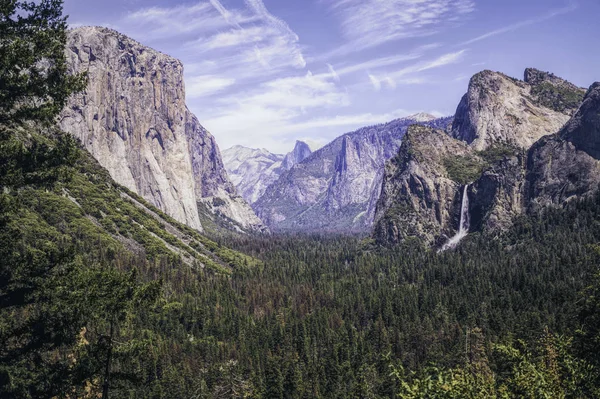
(105, 386)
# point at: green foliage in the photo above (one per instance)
(27, 158)
(549, 371)
(102, 294)
(467, 169)
(497, 152)
(560, 98)
(34, 84)
(587, 340)
(464, 169)
(48, 298)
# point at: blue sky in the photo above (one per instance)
(263, 73)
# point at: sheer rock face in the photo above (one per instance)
(498, 196)
(300, 152)
(212, 185)
(336, 187)
(498, 108)
(134, 120)
(418, 198)
(566, 165)
(504, 142)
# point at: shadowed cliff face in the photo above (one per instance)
(419, 198)
(503, 144)
(133, 119)
(566, 165)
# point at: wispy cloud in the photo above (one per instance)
(409, 75)
(259, 8)
(206, 85)
(333, 73)
(224, 46)
(370, 23)
(271, 109)
(375, 82)
(202, 17)
(231, 39)
(227, 16)
(549, 15)
(376, 63)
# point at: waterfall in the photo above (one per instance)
(465, 222)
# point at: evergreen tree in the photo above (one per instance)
(273, 380)
(34, 83)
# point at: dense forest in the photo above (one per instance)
(98, 299)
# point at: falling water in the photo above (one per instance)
(465, 222)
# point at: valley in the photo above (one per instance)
(424, 257)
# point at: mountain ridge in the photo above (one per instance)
(253, 170)
(507, 129)
(334, 189)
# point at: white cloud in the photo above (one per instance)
(375, 82)
(333, 73)
(272, 109)
(370, 23)
(376, 63)
(259, 8)
(445, 59)
(206, 85)
(356, 121)
(242, 42)
(227, 16)
(232, 38)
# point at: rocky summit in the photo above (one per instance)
(516, 145)
(133, 119)
(498, 108)
(337, 187)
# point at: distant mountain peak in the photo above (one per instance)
(300, 152)
(421, 117)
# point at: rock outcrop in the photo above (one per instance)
(300, 152)
(252, 170)
(133, 118)
(498, 108)
(336, 187)
(418, 197)
(502, 144)
(566, 165)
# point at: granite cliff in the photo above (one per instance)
(500, 145)
(133, 119)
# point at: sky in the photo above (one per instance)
(265, 73)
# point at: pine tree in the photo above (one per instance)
(34, 83)
(273, 380)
